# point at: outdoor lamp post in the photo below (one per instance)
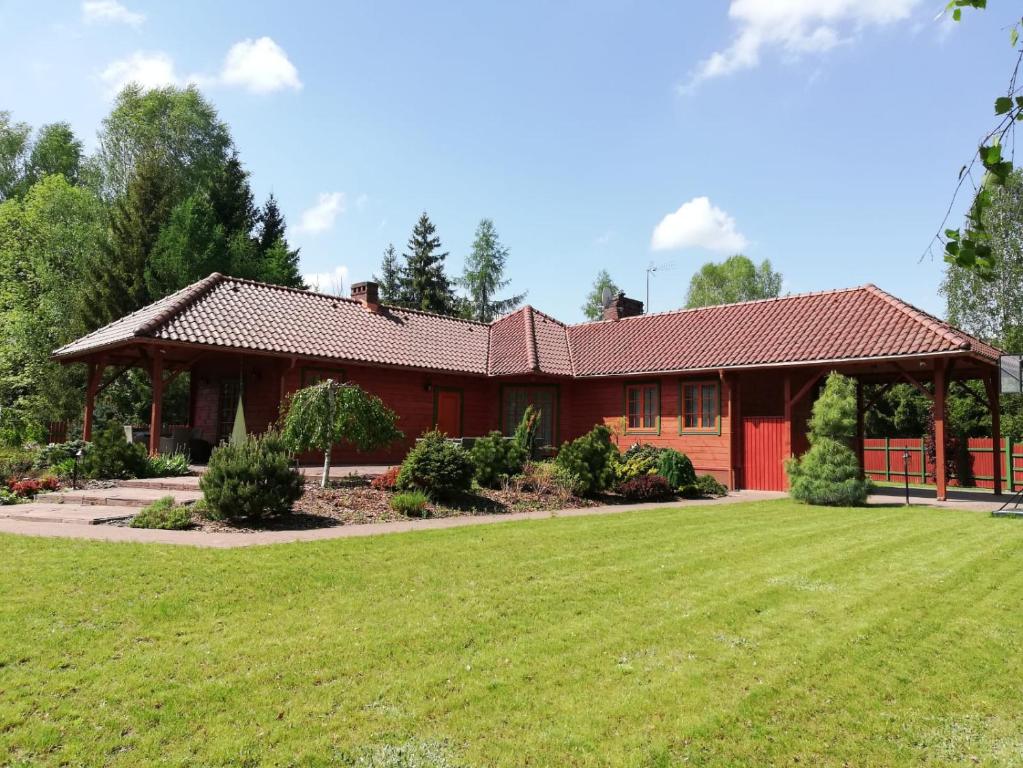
(74, 473)
(905, 471)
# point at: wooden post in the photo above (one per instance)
(786, 437)
(887, 460)
(156, 409)
(859, 426)
(991, 384)
(735, 420)
(92, 385)
(940, 473)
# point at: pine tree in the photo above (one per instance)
(280, 263)
(272, 225)
(390, 277)
(424, 284)
(484, 275)
(118, 284)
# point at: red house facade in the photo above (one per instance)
(731, 386)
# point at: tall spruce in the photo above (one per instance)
(424, 283)
(280, 262)
(118, 284)
(484, 275)
(272, 225)
(390, 277)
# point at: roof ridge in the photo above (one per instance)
(182, 300)
(349, 300)
(683, 310)
(532, 359)
(928, 320)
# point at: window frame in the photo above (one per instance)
(702, 429)
(642, 386)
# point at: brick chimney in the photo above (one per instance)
(368, 294)
(622, 306)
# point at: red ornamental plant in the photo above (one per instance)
(387, 481)
(26, 488)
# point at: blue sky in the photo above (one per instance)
(824, 135)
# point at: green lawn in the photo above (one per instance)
(735, 635)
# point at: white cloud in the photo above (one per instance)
(795, 27)
(328, 282)
(150, 70)
(603, 239)
(362, 201)
(321, 216)
(260, 66)
(110, 12)
(698, 224)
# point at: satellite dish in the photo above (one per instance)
(606, 297)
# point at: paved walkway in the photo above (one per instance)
(228, 539)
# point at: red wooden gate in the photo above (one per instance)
(763, 460)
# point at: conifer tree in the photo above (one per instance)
(424, 284)
(280, 262)
(390, 277)
(484, 275)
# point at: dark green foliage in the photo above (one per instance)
(56, 453)
(252, 480)
(525, 431)
(708, 485)
(110, 456)
(590, 461)
(15, 462)
(646, 488)
(423, 280)
(410, 503)
(829, 473)
(163, 514)
(496, 458)
(676, 468)
(436, 466)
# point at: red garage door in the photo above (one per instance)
(762, 458)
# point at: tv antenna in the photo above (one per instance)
(652, 269)
(606, 297)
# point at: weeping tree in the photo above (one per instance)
(325, 414)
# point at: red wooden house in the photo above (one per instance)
(731, 385)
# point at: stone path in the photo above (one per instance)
(103, 505)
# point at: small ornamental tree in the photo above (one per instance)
(590, 461)
(829, 473)
(325, 414)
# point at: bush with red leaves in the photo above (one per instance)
(646, 488)
(26, 488)
(386, 481)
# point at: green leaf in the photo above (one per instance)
(1003, 104)
(1014, 36)
(957, 14)
(952, 234)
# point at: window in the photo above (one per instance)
(544, 399)
(227, 408)
(699, 407)
(642, 408)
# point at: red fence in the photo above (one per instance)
(883, 459)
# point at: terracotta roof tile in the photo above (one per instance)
(856, 323)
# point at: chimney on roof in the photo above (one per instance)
(622, 306)
(367, 294)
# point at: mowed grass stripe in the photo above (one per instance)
(753, 634)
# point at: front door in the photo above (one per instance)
(448, 405)
(763, 458)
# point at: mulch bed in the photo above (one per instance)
(355, 503)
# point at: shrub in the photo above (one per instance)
(410, 503)
(65, 469)
(387, 481)
(525, 432)
(646, 488)
(708, 485)
(545, 478)
(15, 462)
(495, 458)
(111, 456)
(251, 480)
(829, 473)
(163, 514)
(172, 465)
(55, 454)
(436, 466)
(589, 460)
(8, 497)
(676, 468)
(25, 489)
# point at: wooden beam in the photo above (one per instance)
(786, 436)
(120, 372)
(805, 388)
(940, 473)
(92, 385)
(156, 409)
(991, 388)
(909, 377)
(859, 425)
